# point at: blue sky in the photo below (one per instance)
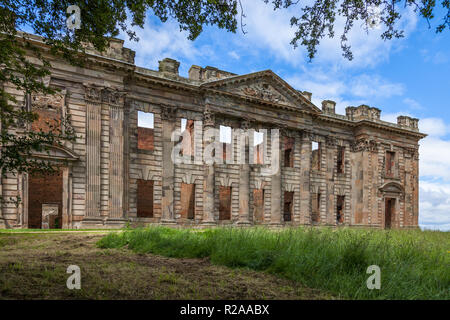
(408, 76)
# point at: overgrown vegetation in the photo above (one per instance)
(34, 266)
(414, 264)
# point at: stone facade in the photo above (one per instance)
(352, 169)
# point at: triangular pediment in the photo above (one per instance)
(264, 86)
(56, 153)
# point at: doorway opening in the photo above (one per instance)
(389, 213)
(288, 203)
(45, 201)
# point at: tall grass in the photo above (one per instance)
(414, 264)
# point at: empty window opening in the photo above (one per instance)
(258, 151)
(316, 155)
(340, 203)
(224, 203)
(340, 159)
(225, 139)
(187, 136)
(187, 201)
(315, 214)
(390, 163)
(288, 205)
(288, 152)
(144, 198)
(258, 203)
(145, 131)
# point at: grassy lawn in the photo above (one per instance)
(414, 264)
(33, 266)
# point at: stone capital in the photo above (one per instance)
(168, 112)
(113, 96)
(209, 118)
(93, 93)
(246, 124)
(331, 142)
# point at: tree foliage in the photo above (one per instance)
(103, 19)
(318, 18)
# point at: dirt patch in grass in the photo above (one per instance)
(33, 266)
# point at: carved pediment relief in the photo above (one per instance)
(263, 91)
(264, 86)
(391, 187)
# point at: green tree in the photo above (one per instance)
(102, 19)
(318, 18)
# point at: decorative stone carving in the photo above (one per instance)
(188, 178)
(365, 145)
(225, 181)
(289, 187)
(263, 91)
(285, 132)
(93, 93)
(411, 152)
(259, 183)
(112, 96)
(146, 173)
(98, 94)
(331, 142)
(52, 101)
(168, 113)
(306, 135)
(246, 124)
(392, 188)
(209, 118)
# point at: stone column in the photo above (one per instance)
(331, 151)
(105, 148)
(244, 175)
(126, 157)
(168, 168)
(93, 140)
(305, 168)
(209, 178)
(2, 223)
(65, 197)
(275, 208)
(116, 154)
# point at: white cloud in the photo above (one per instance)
(434, 205)
(434, 127)
(435, 158)
(434, 57)
(234, 55)
(373, 86)
(344, 89)
(367, 47)
(160, 41)
(271, 29)
(413, 104)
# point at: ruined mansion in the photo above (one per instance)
(278, 159)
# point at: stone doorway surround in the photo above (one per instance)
(63, 158)
(393, 192)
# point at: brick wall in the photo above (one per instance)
(43, 189)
